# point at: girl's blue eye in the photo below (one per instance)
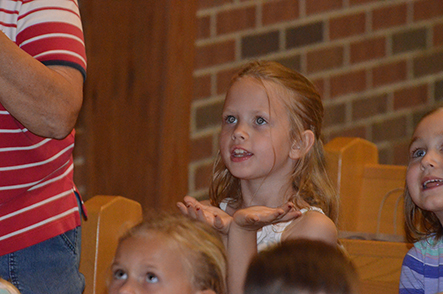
(119, 275)
(151, 278)
(418, 153)
(260, 121)
(230, 119)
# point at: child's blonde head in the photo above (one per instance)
(305, 112)
(201, 248)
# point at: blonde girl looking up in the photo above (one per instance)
(169, 254)
(269, 182)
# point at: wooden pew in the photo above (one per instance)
(371, 219)
(108, 218)
(370, 193)
(378, 264)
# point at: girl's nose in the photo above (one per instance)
(127, 288)
(240, 133)
(430, 160)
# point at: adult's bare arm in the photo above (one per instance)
(44, 99)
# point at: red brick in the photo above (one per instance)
(334, 115)
(317, 6)
(304, 35)
(389, 73)
(208, 116)
(203, 4)
(203, 177)
(324, 59)
(255, 45)
(369, 106)
(224, 79)
(409, 40)
(389, 129)
(214, 54)
(426, 9)
(203, 27)
(368, 49)
(234, 20)
(350, 82)
(438, 35)
(410, 97)
(347, 26)
(389, 16)
(202, 87)
(201, 148)
(279, 11)
(428, 64)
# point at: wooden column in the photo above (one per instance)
(135, 117)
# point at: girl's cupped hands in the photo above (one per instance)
(256, 217)
(212, 215)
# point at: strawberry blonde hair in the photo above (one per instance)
(305, 112)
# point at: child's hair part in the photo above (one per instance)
(201, 247)
(420, 224)
(305, 112)
(301, 266)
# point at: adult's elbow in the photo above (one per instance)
(63, 127)
(57, 125)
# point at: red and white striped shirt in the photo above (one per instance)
(37, 200)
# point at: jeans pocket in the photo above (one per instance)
(72, 240)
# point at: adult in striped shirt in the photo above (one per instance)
(422, 270)
(42, 70)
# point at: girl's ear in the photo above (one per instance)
(300, 148)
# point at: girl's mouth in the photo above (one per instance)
(432, 183)
(238, 153)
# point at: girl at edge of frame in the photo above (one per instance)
(269, 180)
(422, 269)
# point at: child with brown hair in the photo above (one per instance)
(301, 266)
(422, 270)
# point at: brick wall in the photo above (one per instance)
(377, 63)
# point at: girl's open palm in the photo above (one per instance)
(212, 215)
(256, 217)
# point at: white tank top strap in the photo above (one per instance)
(311, 208)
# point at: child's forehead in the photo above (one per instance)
(429, 128)
(266, 91)
(434, 119)
(163, 242)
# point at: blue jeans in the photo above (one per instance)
(50, 267)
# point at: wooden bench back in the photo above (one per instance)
(371, 208)
(370, 193)
(378, 264)
(108, 218)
